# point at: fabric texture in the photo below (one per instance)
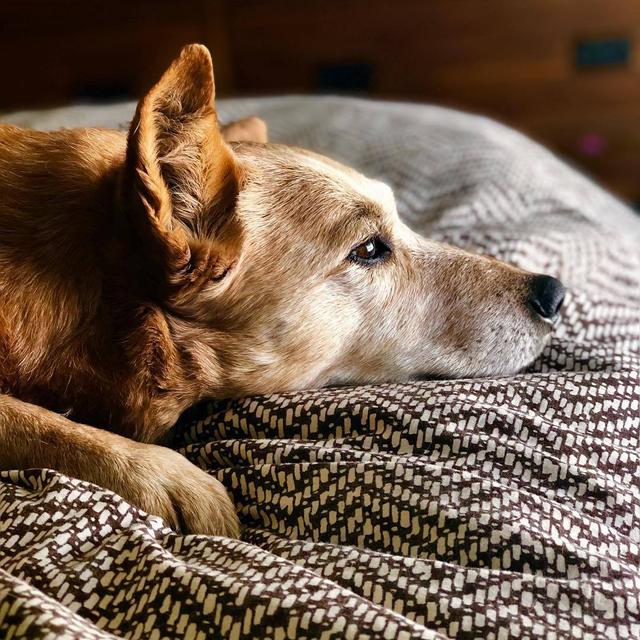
(486, 508)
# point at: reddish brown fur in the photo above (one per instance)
(92, 251)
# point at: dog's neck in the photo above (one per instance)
(74, 324)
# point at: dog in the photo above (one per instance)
(143, 272)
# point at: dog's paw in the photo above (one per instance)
(166, 484)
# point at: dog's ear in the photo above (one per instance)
(181, 177)
(252, 129)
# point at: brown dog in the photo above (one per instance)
(142, 273)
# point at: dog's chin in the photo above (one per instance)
(520, 360)
(483, 363)
(492, 364)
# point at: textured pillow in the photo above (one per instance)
(486, 508)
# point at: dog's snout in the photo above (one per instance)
(546, 295)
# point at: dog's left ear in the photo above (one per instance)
(181, 177)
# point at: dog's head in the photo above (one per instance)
(278, 268)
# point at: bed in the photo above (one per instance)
(482, 508)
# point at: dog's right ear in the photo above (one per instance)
(180, 177)
(251, 129)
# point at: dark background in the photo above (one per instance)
(564, 71)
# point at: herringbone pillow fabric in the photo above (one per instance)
(488, 508)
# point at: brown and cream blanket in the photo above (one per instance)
(488, 508)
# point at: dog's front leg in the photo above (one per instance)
(153, 478)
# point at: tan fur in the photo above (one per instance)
(142, 273)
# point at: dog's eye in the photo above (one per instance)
(369, 252)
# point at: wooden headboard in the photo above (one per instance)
(565, 71)
(56, 51)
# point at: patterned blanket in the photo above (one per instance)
(487, 508)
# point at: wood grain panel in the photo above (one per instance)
(52, 52)
(511, 60)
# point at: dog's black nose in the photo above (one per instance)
(546, 295)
